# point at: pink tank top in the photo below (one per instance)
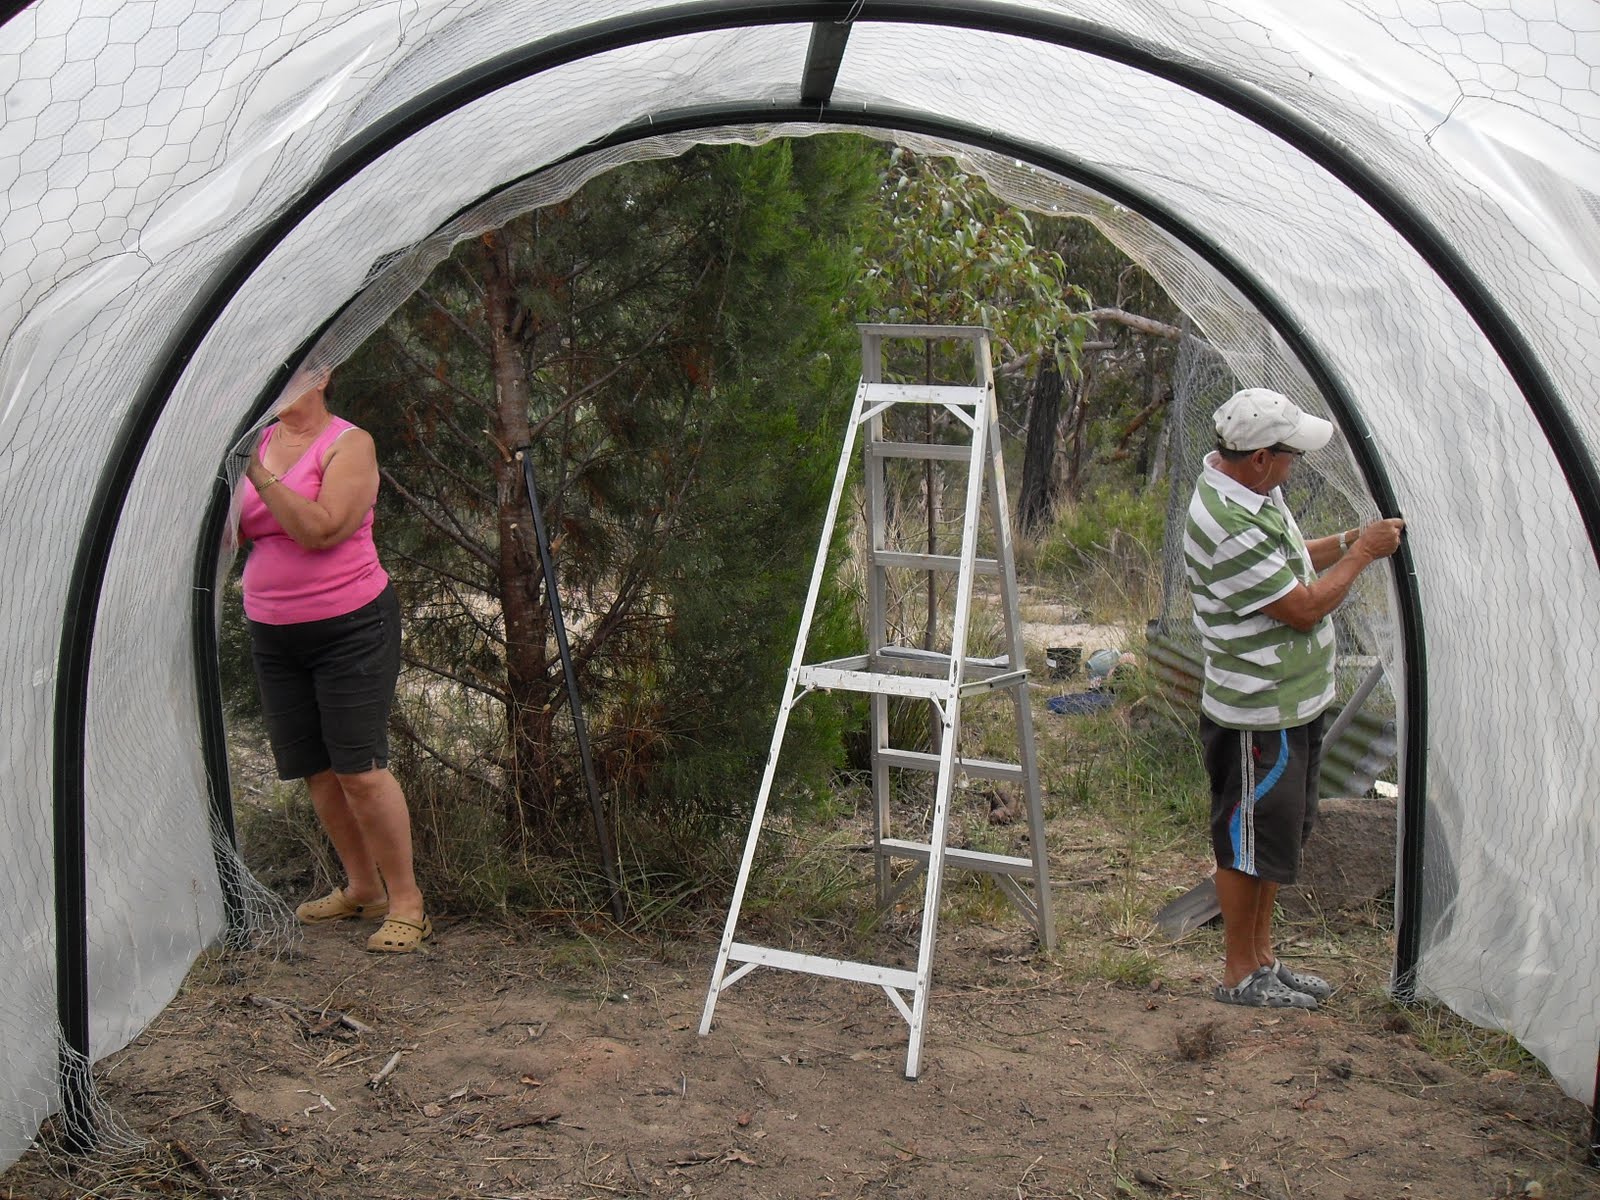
(286, 584)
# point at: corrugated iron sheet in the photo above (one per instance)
(1350, 766)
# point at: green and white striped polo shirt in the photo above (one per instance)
(1244, 551)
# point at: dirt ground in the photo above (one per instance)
(526, 1072)
(524, 1063)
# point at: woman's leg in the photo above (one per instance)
(377, 808)
(363, 885)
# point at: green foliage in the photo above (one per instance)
(1106, 552)
(241, 700)
(1146, 773)
(670, 346)
(946, 251)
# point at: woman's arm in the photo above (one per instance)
(349, 490)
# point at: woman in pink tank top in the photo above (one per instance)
(325, 641)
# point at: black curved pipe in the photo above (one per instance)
(111, 491)
(1582, 475)
(204, 640)
(1408, 916)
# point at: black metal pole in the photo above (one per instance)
(1594, 1113)
(608, 855)
(213, 730)
(78, 1132)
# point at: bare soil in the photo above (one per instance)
(524, 1074)
(564, 1061)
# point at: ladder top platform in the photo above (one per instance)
(928, 333)
(901, 677)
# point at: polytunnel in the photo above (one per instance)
(1387, 208)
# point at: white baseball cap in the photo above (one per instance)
(1259, 418)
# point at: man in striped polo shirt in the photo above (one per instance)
(1262, 595)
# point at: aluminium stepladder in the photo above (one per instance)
(944, 680)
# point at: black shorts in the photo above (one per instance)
(327, 686)
(1263, 795)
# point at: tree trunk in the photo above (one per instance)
(1148, 362)
(530, 711)
(1080, 430)
(1037, 492)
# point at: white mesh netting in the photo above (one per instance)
(149, 148)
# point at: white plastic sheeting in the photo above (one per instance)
(147, 144)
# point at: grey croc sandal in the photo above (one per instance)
(1262, 989)
(1315, 986)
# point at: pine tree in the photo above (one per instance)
(669, 347)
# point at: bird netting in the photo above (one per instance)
(1386, 210)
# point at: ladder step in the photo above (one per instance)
(977, 768)
(972, 860)
(924, 393)
(829, 678)
(932, 562)
(934, 451)
(817, 964)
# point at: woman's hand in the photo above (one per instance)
(256, 472)
(349, 490)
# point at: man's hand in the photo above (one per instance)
(1381, 538)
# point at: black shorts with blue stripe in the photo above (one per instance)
(1263, 795)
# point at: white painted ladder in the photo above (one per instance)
(944, 680)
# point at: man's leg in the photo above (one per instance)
(1266, 901)
(1239, 896)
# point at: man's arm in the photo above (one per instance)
(1325, 551)
(1306, 604)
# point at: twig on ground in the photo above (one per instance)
(189, 1112)
(388, 1068)
(326, 1018)
(290, 1010)
(354, 1025)
(187, 1157)
(539, 1118)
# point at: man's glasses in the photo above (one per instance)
(1286, 450)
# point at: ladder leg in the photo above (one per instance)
(951, 726)
(875, 486)
(1027, 751)
(934, 887)
(878, 712)
(1029, 760)
(841, 476)
(750, 842)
